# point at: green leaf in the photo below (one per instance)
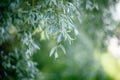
(76, 32)
(47, 2)
(35, 46)
(59, 38)
(56, 55)
(63, 49)
(55, 2)
(52, 51)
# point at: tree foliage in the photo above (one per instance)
(21, 21)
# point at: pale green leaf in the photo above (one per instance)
(56, 55)
(52, 51)
(35, 46)
(59, 38)
(63, 49)
(76, 32)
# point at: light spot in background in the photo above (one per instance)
(116, 12)
(111, 66)
(114, 48)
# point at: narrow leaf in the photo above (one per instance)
(56, 55)
(59, 38)
(35, 46)
(76, 32)
(63, 49)
(52, 51)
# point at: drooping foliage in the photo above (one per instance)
(21, 21)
